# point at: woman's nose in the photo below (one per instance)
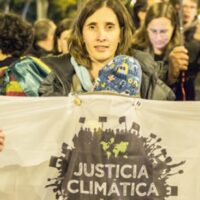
(101, 34)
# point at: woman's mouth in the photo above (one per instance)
(101, 48)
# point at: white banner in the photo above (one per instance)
(99, 147)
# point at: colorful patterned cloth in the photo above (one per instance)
(23, 78)
(122, 75)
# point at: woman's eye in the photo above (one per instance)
(91, 27)
(153, 31)
(110, 27)
(163, 31)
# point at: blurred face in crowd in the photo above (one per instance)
(189, 11)
(63, 40)
(101, 35)
(160, 31)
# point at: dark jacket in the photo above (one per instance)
(151, 88)
(61, 65)
(37, 51)
(191, 83)
(192, 80)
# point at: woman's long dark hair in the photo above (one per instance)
(76, 44)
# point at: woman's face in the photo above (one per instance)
(160, 31)
(101, 35)
(62, 41)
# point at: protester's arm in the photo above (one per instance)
(178, 61)
(2, 138)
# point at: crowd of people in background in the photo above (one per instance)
(77, 51)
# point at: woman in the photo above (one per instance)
(2, 138)
(159, 36)
(98, 35)
(100, 32)
(160, 31)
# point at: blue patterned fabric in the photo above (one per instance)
(122, 75)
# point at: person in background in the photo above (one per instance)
(20, 75)
(139, 8)
(61, 36)
(188, 88)
(159, 34)
(139, 12)
(43, 38)
(189, 15)
(190, 20)
(16, 37)
(2, 140)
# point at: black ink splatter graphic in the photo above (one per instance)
(114, 165)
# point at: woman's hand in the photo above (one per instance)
(178, 61)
